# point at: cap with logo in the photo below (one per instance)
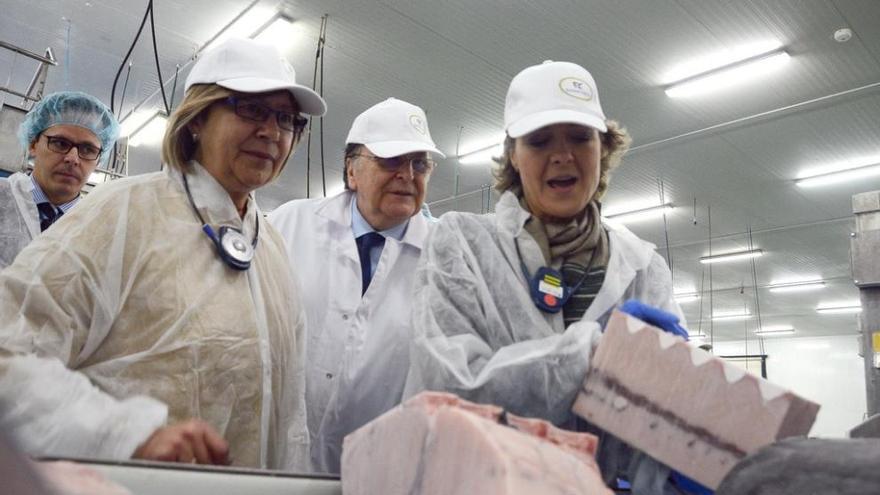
(392, 128)
(247, 66)
(552, 93)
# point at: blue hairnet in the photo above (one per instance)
(71, 108)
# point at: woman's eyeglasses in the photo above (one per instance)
(257, 112)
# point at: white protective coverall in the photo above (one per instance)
(122, 317)
(481, 336)
(19, 218)
(358, 348)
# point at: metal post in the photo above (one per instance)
(865, 254)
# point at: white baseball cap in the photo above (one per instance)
(247, 66)
(392, 128)
(552, 93)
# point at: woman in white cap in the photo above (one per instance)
(166, 297)
(508, 306)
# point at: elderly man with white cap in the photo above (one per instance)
(355, 254)
(159, 319)
(508, 307)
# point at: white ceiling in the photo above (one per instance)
(735, 152)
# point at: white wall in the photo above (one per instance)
(827, 370)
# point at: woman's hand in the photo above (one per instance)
(193, 441)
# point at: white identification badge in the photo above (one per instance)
(553, 290)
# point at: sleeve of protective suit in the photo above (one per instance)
(464, 344)
(59, 302)
(58, 412)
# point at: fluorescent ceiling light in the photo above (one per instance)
(872, 170)
(839, 166)
(731, 316)
(484, 151)
(839, 309)
(710, 61)
(797, 286)
(279, 32)
(641, 214)
(150, 133)
(773, 330)
(729, 75)
(135, 121)
(698, 336)
(685, 298)
(739, 255)
(246, 25)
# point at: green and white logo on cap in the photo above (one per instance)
(576, 88)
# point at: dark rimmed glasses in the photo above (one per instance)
(85, 151)
(420, 165)
(257, 112)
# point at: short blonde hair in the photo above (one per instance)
(615, 142)
(178, 147)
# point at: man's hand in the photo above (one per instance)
(192, 441)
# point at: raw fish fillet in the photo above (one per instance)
(69, 478)
(437, 443)
(681, 405)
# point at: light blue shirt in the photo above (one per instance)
(360, 226)
(40, 197)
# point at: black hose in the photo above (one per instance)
(156, 57)
(125, 59)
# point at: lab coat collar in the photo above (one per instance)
(337, 209)
(213, 201)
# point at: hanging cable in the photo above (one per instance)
(174, 84)
(711, 288)
(666, 230)
(125, 59)
(757, 299)
(156, 57)
(318, 50)
(321, 92)
(124, 87)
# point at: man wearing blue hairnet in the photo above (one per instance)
(65, 135)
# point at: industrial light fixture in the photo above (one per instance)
(686, 298)
(244, 25)
(641, 214)
(839, 309)
(144, 127)
(797, 286)
(276, 32)
(484, 152)
(698, 336)
(735, 256)
(731, 316)
(774, 330)
(847, 174)
(742, 67)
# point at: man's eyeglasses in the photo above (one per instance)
(257, 112)
(85, 151)
(420, 165)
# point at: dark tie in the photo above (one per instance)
(48, 215)
(365, 244)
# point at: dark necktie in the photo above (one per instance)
(365, 244)
(48, 215)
